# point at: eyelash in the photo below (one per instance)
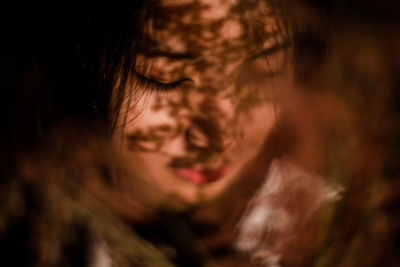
(156, 86)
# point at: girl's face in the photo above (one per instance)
(201, 101)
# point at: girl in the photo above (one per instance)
(198, 127)
(190, 94)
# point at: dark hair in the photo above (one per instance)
(61, 62)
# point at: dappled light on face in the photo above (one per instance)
(204, 95)
(197, 53)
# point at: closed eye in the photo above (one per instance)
(270, 50)
(155, 85)
(268, 62)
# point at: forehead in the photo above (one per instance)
(212, 26)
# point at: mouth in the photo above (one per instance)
(202, 176)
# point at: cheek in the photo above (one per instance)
(151, 124)
(258, 123)
(150, 113)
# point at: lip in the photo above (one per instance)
(203, 176)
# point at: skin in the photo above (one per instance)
(223, 62)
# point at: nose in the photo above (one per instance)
(205, 133)
(213, 126)
(203, 138)
(209, 129)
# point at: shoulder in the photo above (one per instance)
(285, 203)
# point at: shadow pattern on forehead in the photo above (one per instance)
(210, 28)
